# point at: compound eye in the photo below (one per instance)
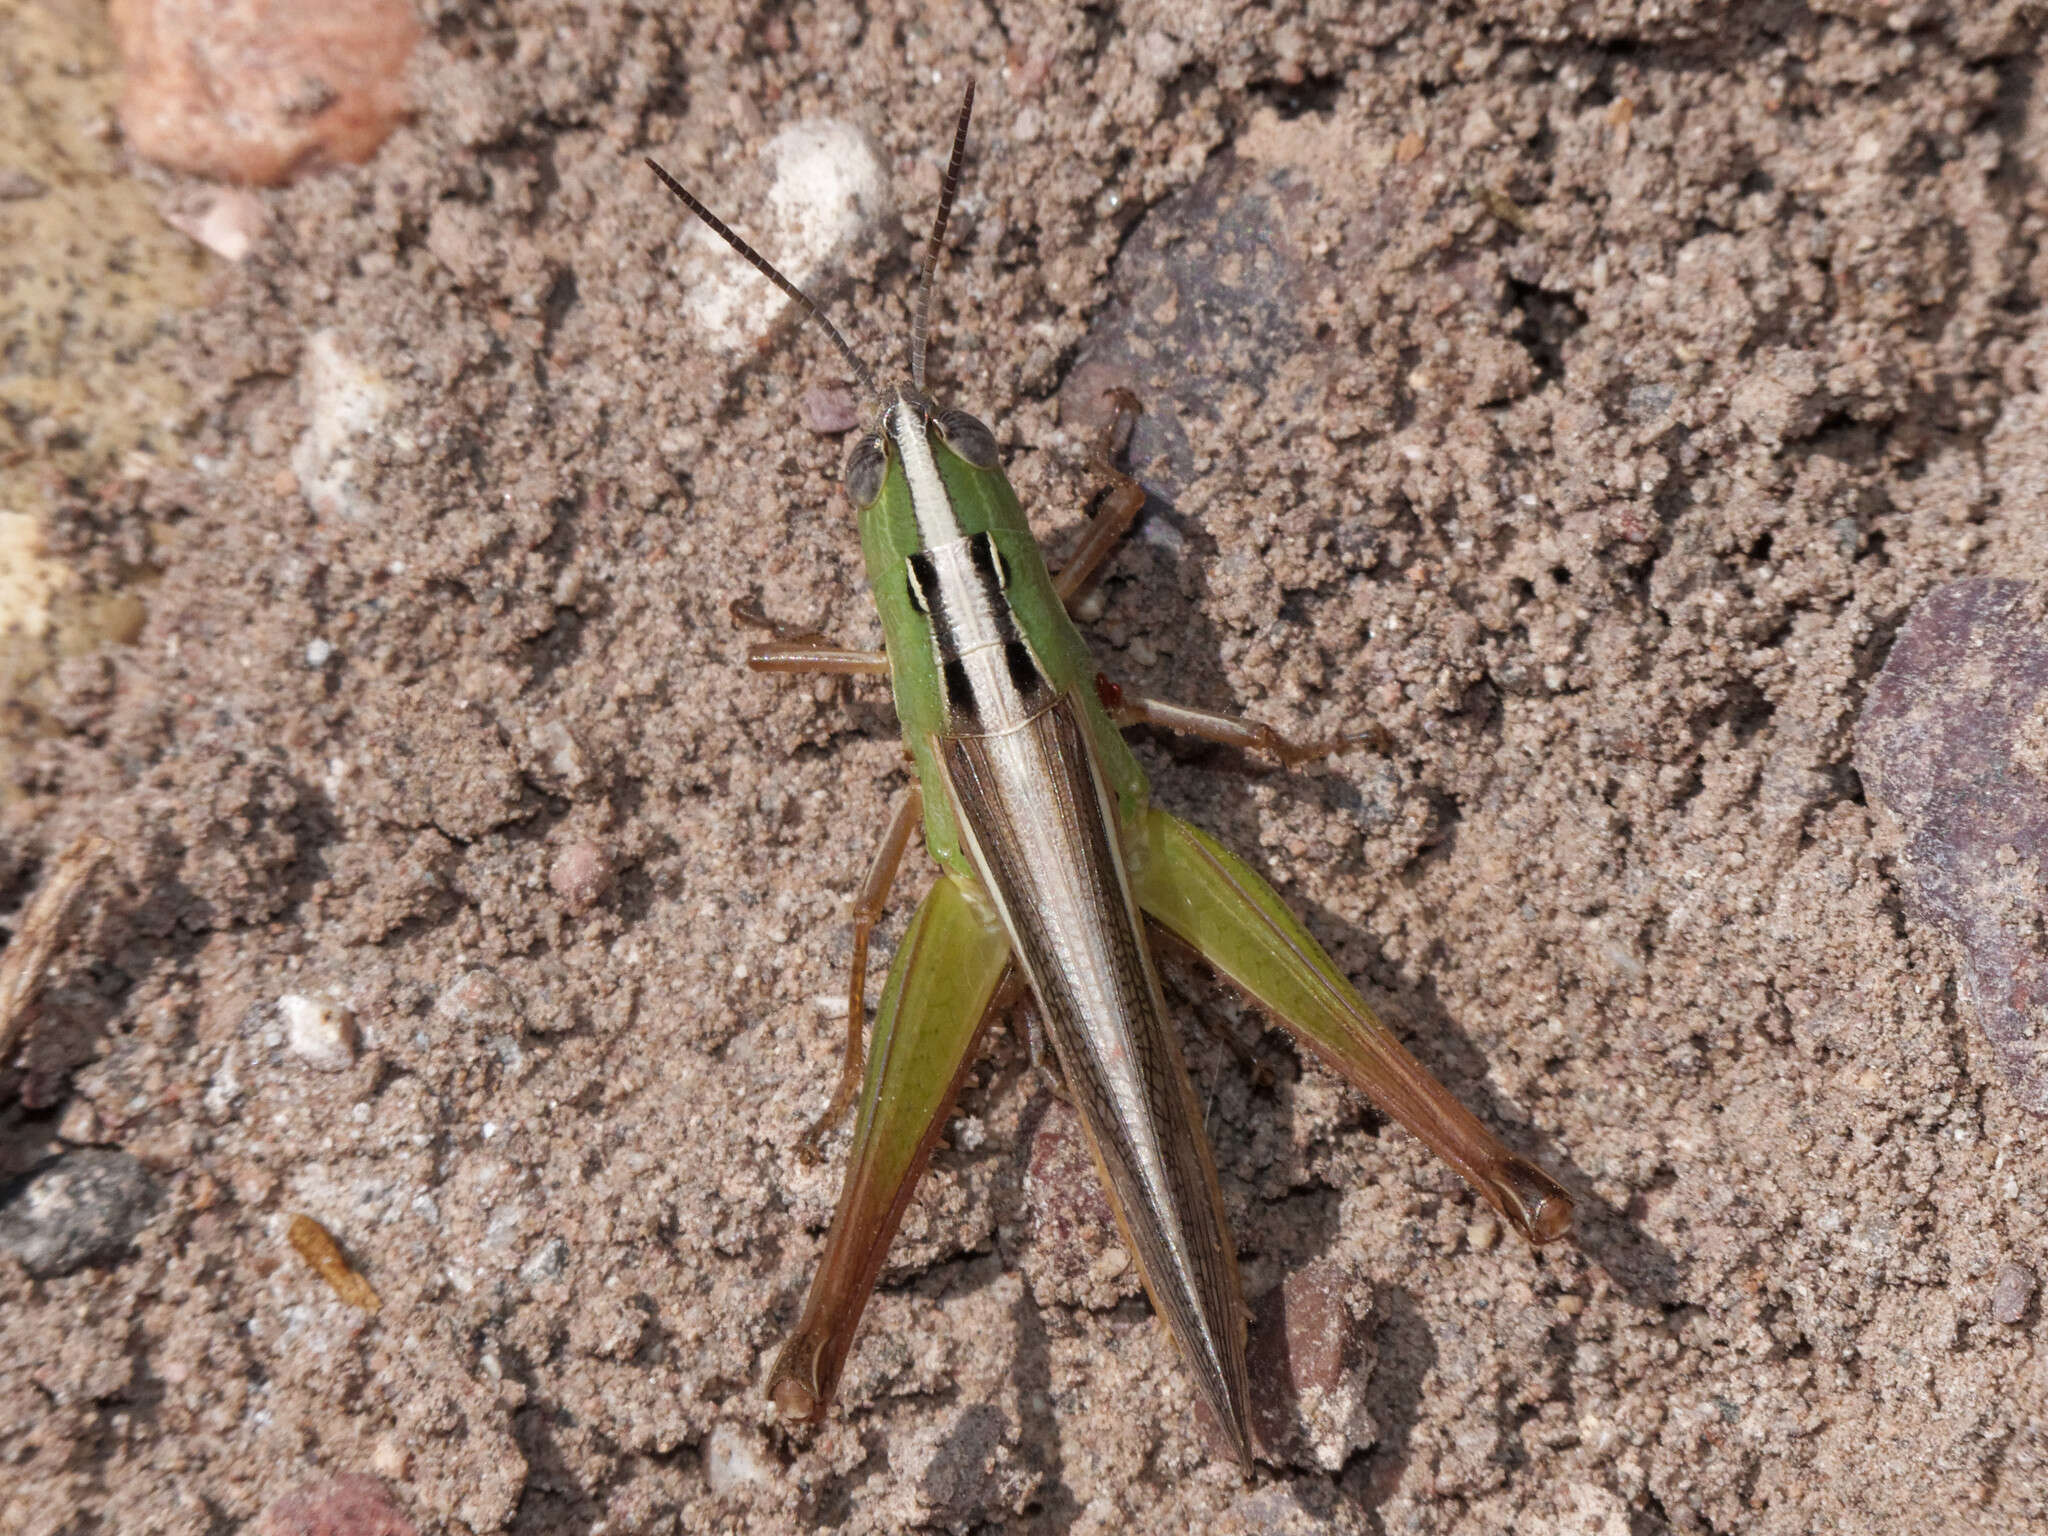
(865, 467)
(966, 436)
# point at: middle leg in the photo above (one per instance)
(802, 650)
(1126, 501)
(1231, 730)
(868, 907)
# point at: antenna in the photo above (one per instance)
(766, 268)
(947, 190)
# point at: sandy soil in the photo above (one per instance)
(1585, 394)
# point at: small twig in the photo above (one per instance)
(28, 954)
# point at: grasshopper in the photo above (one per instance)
(1057, 874)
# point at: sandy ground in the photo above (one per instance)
(1584, 394)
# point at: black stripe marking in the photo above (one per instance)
(989, 561)
(923, 578)
(1023, 667)
(959, 691)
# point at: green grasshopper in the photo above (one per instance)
(1052, 864)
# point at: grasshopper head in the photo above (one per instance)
(867, 462)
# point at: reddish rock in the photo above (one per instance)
(1072, 1258)
(349, 1505)
(830, 409)
(1311, 1357)
(257, 91)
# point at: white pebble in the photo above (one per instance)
(318, 652)
(829, 186)
(320, 1032)
(391, 1459)
(733, 1458)
(345, 401)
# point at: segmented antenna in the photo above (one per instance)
(947, 189)
(766, 268)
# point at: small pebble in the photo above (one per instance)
(1480, 129)
(347, 402)
(85, 1208)
(2012, 1291)
(581, 876)
(1571, 1306)
(229, 222)
(1110, 1263)
(562, 756)
(830, 409)
(546, 1263)
(478, 996)
(1482, 1234)
(80, 1123)
(318, 653)
(321, 1032)
(1312, 1351)
(391, 1459)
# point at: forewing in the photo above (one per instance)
(1040, 827)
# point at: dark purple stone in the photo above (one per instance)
(1954, 745)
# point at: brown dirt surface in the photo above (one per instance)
(1584, 394)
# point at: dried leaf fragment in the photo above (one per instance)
(1505, 208)
(316, 1245)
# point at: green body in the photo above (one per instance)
(948, 968)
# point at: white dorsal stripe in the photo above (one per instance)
(933, 508)
(966, 613)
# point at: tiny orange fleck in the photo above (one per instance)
(1410, 147)
(1622, 112)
